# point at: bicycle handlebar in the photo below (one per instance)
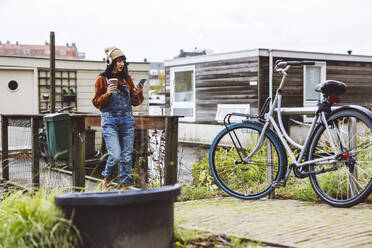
(283, 66)
(299, 63)
(58, 110)
(293, 63)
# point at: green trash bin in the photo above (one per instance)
(58, 135)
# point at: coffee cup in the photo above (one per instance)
(115, 82)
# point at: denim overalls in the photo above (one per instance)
(118, 131)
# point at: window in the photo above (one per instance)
(13, 85)
(154, 72)
(182, 92)
(223, 109)
(313, 75)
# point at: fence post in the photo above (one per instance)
(171, 159)
(35, 124)
(4, 147)
(77, 152)
(140, 166)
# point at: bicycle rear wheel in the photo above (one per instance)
(250, 179)
(43, 146)
(348, 181)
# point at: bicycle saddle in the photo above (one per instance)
(331, 88)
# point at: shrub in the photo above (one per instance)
(203, 185)
(28, 220)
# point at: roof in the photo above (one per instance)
(40, 51)
(266, 52)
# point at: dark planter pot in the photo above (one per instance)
(67, 98)
(134, 218)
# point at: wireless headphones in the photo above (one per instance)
(108, 59)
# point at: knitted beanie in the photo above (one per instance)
(114, 52)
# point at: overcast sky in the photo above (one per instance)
(157, 30)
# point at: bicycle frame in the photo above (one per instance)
(283, 135)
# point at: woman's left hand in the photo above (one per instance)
(139, 88)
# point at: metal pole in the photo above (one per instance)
(270, 167)
(353, 178)
(52, 73)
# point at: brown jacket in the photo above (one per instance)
(101, 98)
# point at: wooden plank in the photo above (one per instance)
(4, 147)
(227, 71)
(93, 121)
(226, 75)
(156, 123)
(223, 90)
(247, 66)
(357, 78)
(229, 62)
(226, 101)
(217, 82)
(141, 122)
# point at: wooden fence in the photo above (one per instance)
(76, 160)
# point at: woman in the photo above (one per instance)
(115, 103)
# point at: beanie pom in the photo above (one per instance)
(113, 52)
(108, 49)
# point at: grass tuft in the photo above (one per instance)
(32, 220)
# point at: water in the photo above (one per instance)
(188, 154)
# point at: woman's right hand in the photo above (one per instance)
(111, 88)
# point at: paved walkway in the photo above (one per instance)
(280, 222)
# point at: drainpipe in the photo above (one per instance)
(271, 75)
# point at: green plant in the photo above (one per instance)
(201, 175)
(192, 192)
(192, 238)
(32, 220)
(203, 185)
(238, 176)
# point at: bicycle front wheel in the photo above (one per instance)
(239, 176)
(348, 181)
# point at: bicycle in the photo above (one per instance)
(248, 159)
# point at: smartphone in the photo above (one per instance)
(142, 81)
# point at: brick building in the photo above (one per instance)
(40, 51)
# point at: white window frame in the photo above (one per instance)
(233, 109)
(323, 73)
(175, 104)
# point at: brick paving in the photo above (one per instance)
(275, 222)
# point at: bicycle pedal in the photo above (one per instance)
(278, 185)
